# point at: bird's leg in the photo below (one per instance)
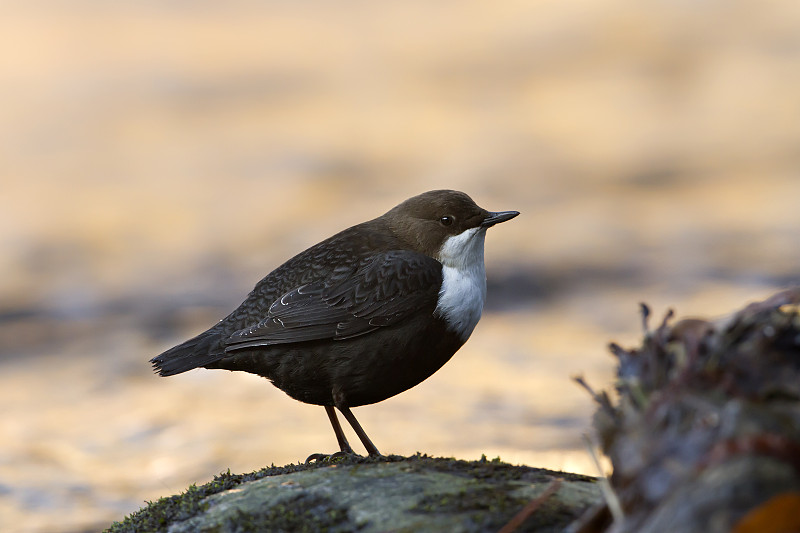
(344, 446)
(371, 449)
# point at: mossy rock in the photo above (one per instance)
(417, 493)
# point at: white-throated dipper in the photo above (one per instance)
(361, 316)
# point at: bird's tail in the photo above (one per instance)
(194, 353)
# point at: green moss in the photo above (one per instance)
(493, 469)
(299, 514)
(158, 515)
(489, 508)
(480, 499)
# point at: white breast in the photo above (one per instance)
(464, 281)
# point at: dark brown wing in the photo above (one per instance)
(382, 292)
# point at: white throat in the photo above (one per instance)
(463, 281)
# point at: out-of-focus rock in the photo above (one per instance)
(705, 435)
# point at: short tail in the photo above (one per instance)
(197, 352)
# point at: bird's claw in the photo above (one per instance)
(322, 457)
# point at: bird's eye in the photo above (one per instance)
(446, 220)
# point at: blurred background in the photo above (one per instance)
(159, 158)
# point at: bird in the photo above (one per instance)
(361, 316)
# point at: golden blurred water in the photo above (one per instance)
(157, 159)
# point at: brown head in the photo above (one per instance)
(426, 221)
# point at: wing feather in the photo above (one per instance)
(381, 292)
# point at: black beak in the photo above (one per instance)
(497, 217)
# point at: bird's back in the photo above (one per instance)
(335, 257)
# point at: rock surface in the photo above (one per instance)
(416, 493)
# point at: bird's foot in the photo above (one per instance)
(325, 457)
